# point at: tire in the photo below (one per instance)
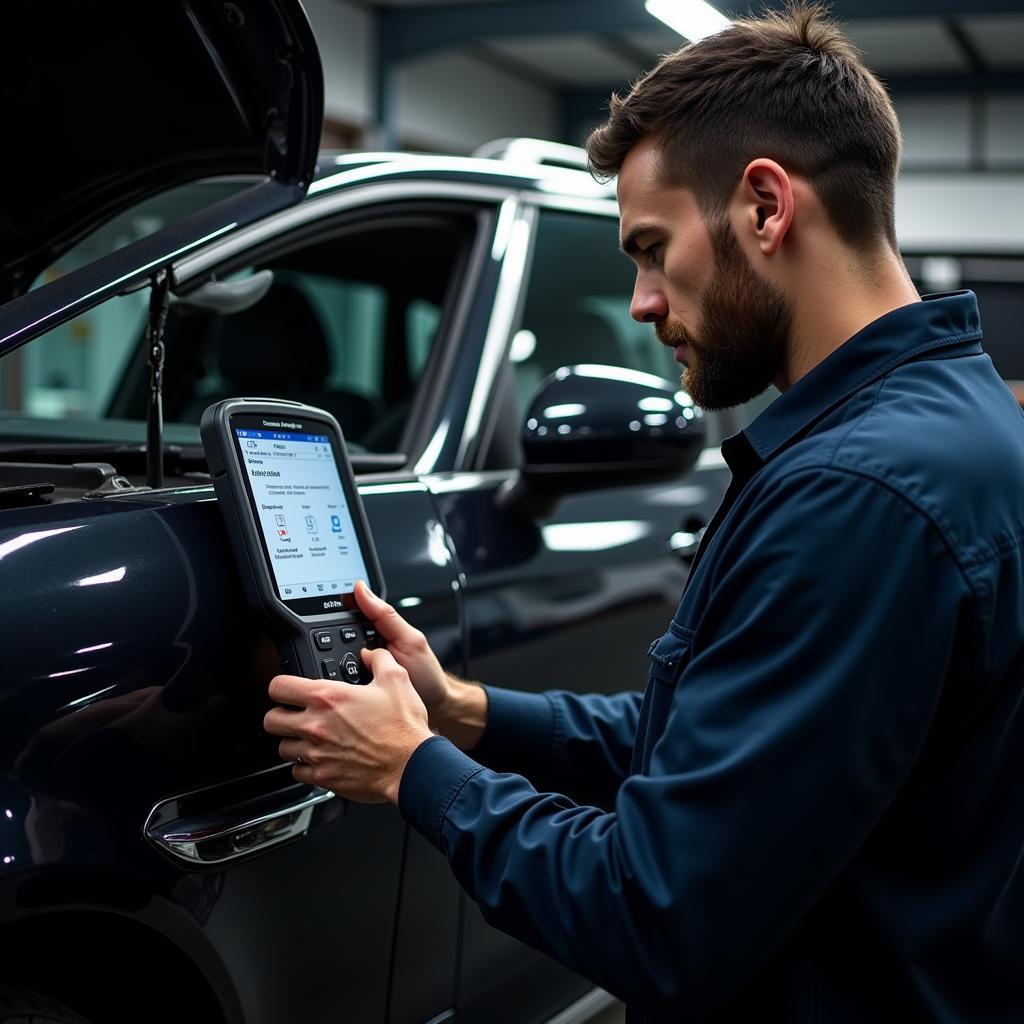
(24, 1006)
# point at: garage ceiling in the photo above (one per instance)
(911, 37)
(584, 49)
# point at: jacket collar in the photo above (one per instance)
(938, 322)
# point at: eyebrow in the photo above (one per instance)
(629, 244)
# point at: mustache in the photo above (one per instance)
(673, 334)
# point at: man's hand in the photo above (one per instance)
(457, 709)
(409, 647)
(354, 740)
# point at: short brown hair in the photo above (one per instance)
(786, 85)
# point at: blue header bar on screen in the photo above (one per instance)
(270, 435)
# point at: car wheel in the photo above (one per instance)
(24, 1006)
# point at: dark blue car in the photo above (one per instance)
(157, 861)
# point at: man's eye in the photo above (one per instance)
(652, 251)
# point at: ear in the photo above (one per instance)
(766, 195)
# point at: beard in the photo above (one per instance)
(743, 328)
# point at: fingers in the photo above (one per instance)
(297, 751)
(292, 690)
(392, 682)
(385, 619)
(369, 603)
(279, 722)
(382, 664)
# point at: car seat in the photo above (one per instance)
(277, 348)
(565, 338)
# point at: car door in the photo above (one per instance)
(569, 599)
(146, 712)
(397, 287)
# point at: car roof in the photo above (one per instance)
(339, 168)
(338, 172)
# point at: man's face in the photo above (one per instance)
(726, 323)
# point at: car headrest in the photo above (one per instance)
(569, 337)
(279, 340)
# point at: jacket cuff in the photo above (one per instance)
(432, 779)
(520, 727)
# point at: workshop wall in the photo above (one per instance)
(450, 102)
(347, 39)
(454, 103)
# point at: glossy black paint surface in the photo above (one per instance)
(125, 687)
(606, 424)
(135, 672)
(568, 601)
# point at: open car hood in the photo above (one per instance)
(109, 103)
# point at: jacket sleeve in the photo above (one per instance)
(791, 726)
(561, 740)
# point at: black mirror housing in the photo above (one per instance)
(593, 426)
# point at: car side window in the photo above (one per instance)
(348, 323)
(577, 308)
(70, 372)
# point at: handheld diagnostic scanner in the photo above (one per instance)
(297, 528)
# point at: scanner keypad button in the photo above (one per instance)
(348, 634)
(372, 638)
(324, 640)
(329, 668)
(350, 666)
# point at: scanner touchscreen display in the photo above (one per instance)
(303, 513)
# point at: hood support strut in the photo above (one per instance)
(159, 300)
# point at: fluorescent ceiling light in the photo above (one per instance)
(693, 19)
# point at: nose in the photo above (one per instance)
(649, 305)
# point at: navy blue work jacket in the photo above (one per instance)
(818, 803)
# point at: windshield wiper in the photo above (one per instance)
(129, 458)
(31, 483)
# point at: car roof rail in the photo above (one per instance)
(534, 151)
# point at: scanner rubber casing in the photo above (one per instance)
(291, 631)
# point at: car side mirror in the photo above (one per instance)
(591, 427)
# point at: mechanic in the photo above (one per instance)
(817, 805)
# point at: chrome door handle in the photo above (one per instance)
(215, 839)
(685, 544)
